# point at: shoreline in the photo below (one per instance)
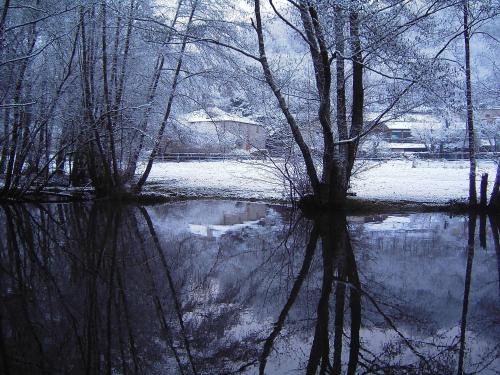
(355, 205)
(391, 186)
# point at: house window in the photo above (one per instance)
(395, 135)
(400, 134)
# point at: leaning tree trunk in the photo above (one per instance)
(5, 140)
(470, 111)
(339, 176)
(170, 101)
(494, 204)
(358, 93)
(467, 287)
(332, 177)
(294, 127)
(3, 17)
(17, 130)
(136, 150)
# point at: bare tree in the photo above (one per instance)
(470, 110)
(341, 133)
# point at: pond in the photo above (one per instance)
(216, 287)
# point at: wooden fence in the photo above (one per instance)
(187, 156)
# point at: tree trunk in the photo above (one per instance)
(470, 110)
(358, 95)
(3, 17)
(294, 127)
(468, 280)
(483, 191)
(331, 191)
(115, 180)
(156, 146)
(88, 105)
(135, 152)
(5, 140)
(18, 114)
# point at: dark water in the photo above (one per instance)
(228, 287)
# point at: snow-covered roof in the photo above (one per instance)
(406, 145)
(485, 142)
(215, 115)
(396, 125)
(417, 120)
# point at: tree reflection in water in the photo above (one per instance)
(123, 289)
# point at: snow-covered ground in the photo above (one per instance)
(235, 179)
(428, 181)
(395, 180)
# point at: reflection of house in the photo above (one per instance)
(367, 219)
(232, 217)
(214, 130)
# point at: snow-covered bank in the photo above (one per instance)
(421, 181)
(396, 180)
(227, 179)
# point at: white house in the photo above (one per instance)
(214, 130)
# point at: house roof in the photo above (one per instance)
(215, 115)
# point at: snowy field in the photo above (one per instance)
(231, 179)
(395, 180)
(429, 181)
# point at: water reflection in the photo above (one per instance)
(227, 287)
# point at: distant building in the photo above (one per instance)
(489, 114)
(421, 132)
(489, 128)
(214, 130)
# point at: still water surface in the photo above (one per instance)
(211, 287)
